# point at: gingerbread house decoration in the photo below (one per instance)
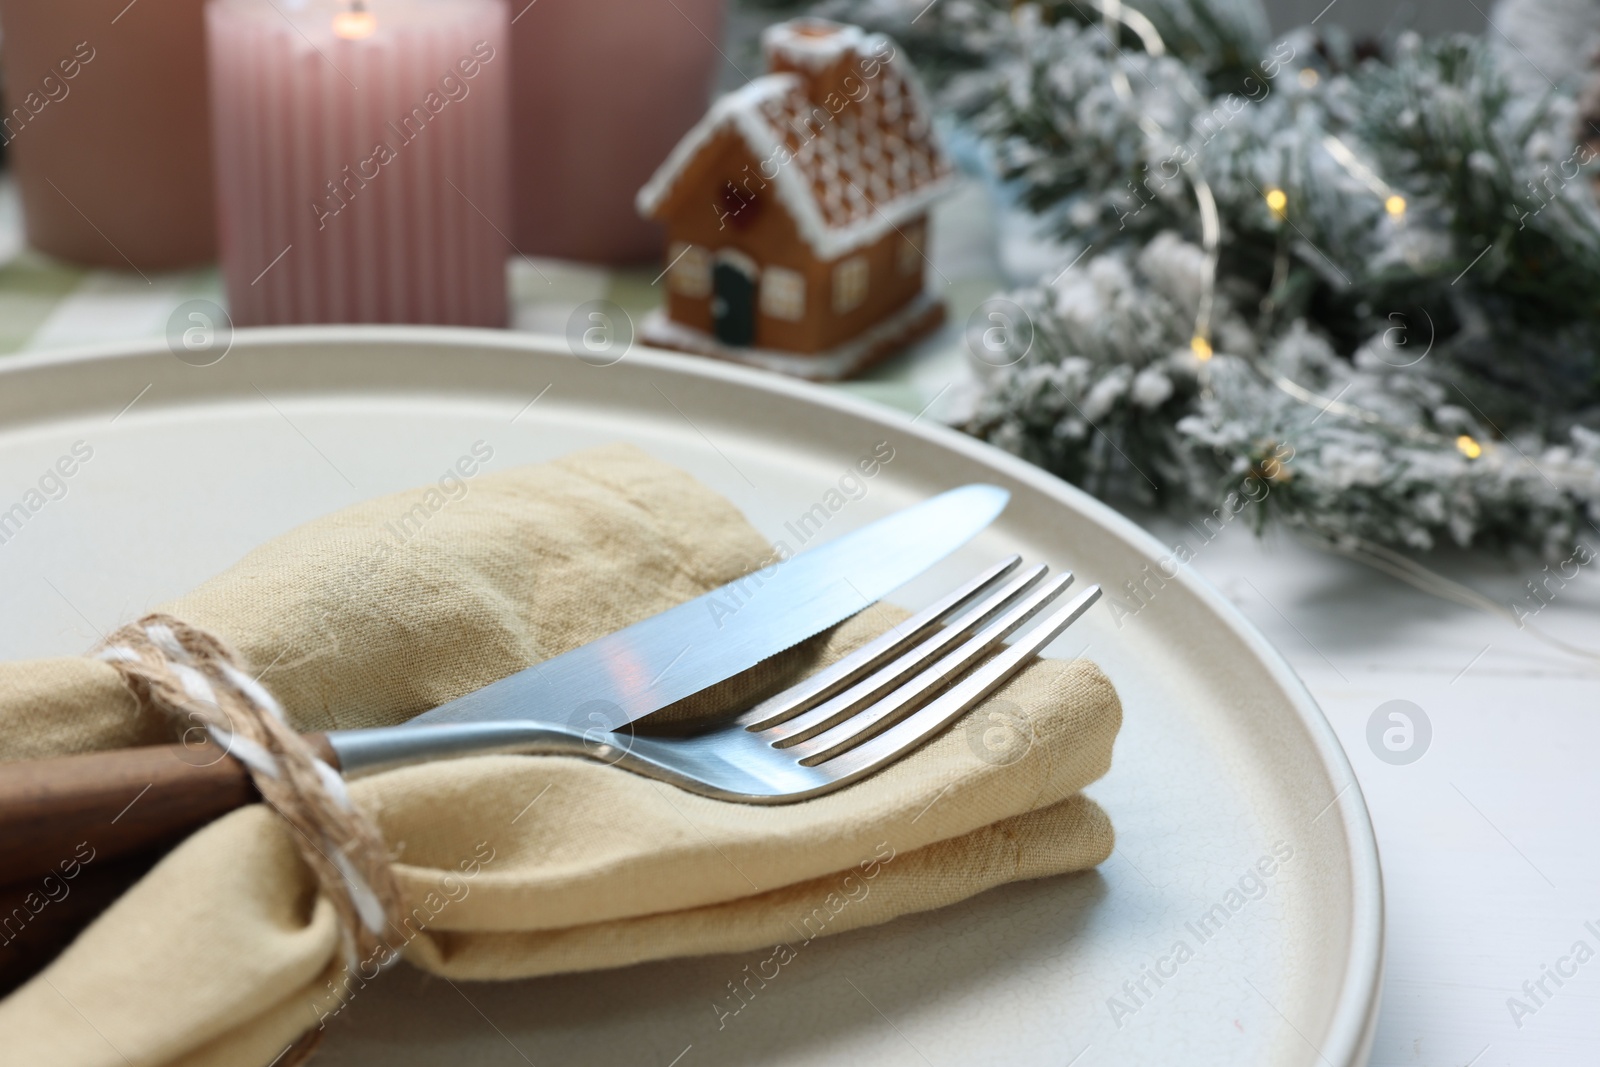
(797, 210)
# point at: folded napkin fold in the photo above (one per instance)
(514, 866)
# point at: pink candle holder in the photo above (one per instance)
(105, 128)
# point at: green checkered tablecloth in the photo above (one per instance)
(49, 305)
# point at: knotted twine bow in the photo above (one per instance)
(196, 681)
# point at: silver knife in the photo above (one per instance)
(644, 667)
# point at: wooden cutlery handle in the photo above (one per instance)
(77, 831)
(62, 813)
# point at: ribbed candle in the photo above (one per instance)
(361, 159)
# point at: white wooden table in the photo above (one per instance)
(1490, 870)
(1489, 839)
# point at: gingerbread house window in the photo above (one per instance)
(849, 284)
(690, 274)
(783, 294)
(909, 258)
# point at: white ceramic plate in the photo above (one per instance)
(1223, 762)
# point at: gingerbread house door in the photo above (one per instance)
(733, 297)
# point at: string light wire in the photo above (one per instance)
(1118, 14)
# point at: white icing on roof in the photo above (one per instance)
(816, 44)
(846, 178)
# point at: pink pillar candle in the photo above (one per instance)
(361, 159)
(105, 127)
(601, 91)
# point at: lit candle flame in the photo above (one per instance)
(1395, 205)
(356, 23)
(1468, 447)
(1200, 347)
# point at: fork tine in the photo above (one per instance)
(896, 705)
(893, 674)
(913, 731)
(825, 683)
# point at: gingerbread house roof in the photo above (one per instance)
(850, 165)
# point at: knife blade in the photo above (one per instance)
(658, 661)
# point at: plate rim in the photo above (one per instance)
(1353, 1022)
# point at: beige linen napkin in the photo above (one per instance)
(517, 866)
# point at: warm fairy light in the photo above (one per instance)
(354, 24)
(1309, 78)
(1393, 202)
(1201, 348)
(1278, 201)
(1468, 447)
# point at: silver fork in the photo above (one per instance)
(848, 720)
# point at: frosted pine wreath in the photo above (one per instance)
(1371, 271)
